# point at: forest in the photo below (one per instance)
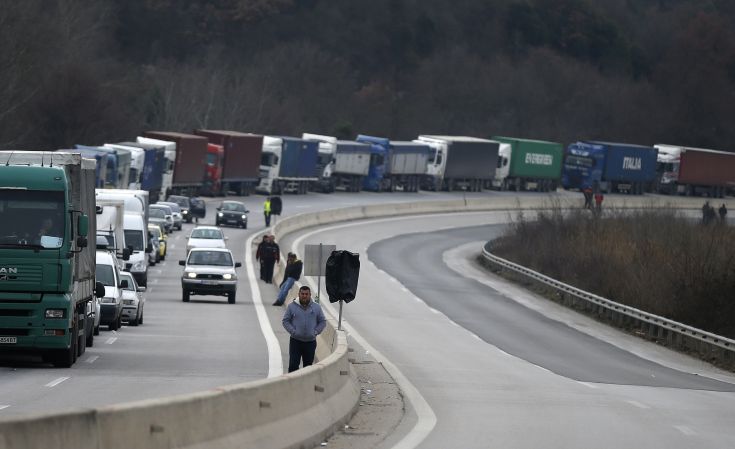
(638, 71)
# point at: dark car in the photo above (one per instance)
(184, 203)
(232, 213)
(198, 207)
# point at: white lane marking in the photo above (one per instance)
(3, 407)
(588, 385)
(425, 417)
(404, 289)
(154, 281)
(56, 382)
(638, 404)
(92, 359)
(172, 246)
(685, 430)
(275, 362)
(434, 311)
(111, 340)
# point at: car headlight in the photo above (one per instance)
(128, 302)
(191, 275)
(108, 300)
(244, 217)
(184, 212)
(227, 276)
(220, 214)
(55, 313)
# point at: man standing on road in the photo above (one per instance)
(270, 253)
(267, 211)
(303, 320)
(290, 276)
(259, 256)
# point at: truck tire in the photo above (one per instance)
(65, 358)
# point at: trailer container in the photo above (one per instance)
(342, 164)
(197, 164)
(241, 162)
(694, 171)
(395, 164)
(459, 162)
(288, 164)
(526, 164)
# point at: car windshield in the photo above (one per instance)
(31, 218)
(218, 258)
(134, 238)
(237, 207)
(129, 278)
(105, 275)
(157, 213)
(174, 207)
(206, 234)
(180, 200)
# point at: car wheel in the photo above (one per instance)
(140, 321)
(231, 298)
(96, 330)
(185, 296)
(133, 322)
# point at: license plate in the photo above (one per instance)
(8, 340)
(231, 221)
(209, 282)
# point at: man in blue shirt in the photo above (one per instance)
(303, 320)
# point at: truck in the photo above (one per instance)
(149, 166)
(288, 164)
(395, 164)
(609, 167)
(118, 166)
(47, 254)
(241, 161)
(110, 225)
(101, 164)
(694, 171)
(526, 164)
(459, 162)
(198, 167)
(341, 164)
(169, 152)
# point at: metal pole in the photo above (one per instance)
(339, 324)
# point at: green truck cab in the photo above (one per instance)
(47, 254)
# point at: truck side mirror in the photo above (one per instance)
(124, 283)
(148, 249)
(182, 263)
(99, 289)
(83, 225)
(127, 252)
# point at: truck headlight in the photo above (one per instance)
(191, 275)
(138, 266)
(55, 313)
(227, 276)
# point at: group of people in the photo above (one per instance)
(589, 195)
(709, 215)
(303, 319)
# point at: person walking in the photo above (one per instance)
(267, 211)
(705, 213)
(259, 256)
(290, 276)
(303, 320)
(723, 213)
(270, 255)
(598, 201)
(587, 191)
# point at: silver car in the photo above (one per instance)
(162, 216)
(133, 301)
(176, 213)
(209, 271)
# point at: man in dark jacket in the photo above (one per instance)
(259, 254)
(269, 254)
(290, 276)
(303, 321)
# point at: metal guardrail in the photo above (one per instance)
(673, 332)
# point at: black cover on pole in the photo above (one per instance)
(276, 205)
(343, 270)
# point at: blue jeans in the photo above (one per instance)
(287, 284)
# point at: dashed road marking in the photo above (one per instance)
(111, 340)
(685, 430)
(589, 385)
(56, 382)
(3, 407)
(638, 404)
(92, 359)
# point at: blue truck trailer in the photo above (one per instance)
(609, 167)
(288, 164)
(395, 164)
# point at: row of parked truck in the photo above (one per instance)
(213, 162)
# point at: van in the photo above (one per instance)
(136, 236)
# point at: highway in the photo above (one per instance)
(487, 363)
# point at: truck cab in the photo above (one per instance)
(583, 166)
(213, 171)
(170, 155)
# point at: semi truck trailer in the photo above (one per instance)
(694, 171)
(342, 164)
(288, 164)
(525, 164)
(459, 162)
(241, 160)
(395, 164)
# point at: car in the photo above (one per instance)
(133, 300)
(198, 208)
(161, 215)
(176, 213)
(162, 238)
(184, 203)
(108, 275)
(206, 237)
(209, 271)
(154, 256)
(232, 212)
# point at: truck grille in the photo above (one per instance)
(15, 312)
(26, 274)
(14, 332)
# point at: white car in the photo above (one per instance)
(133, 301)
(206, 237)
(108, 274)
(209, 271)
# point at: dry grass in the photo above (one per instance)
(654, 260)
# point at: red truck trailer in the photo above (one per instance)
(692, 171)
(198, 165)
(241, 163)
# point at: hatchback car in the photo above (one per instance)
(209, 271)
(162, 241)
(133, 301)
(162, 216)
(175, 213)
(232, 213)
(206, 237)
(185, 205)
(108, 274)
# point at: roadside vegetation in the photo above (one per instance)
(655, 260)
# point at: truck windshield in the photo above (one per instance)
(134, 238)
(578, 161)
(31, 218)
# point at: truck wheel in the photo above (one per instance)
(65, 358)
(185, 296)
(90, 339)
(231, 298)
